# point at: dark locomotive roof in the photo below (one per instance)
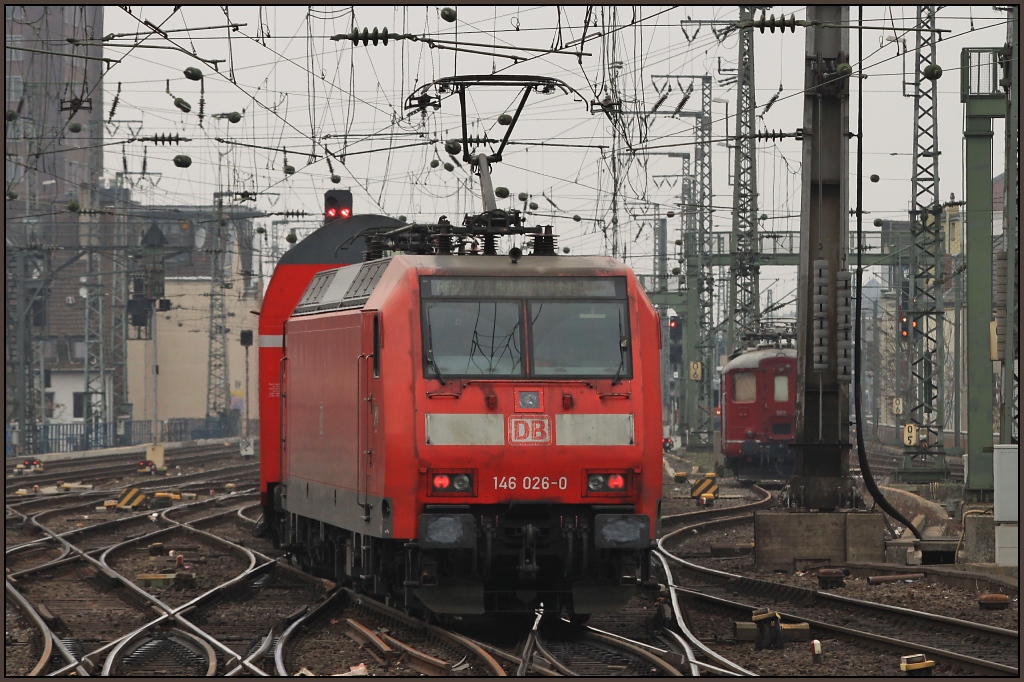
(752, 359)
(327, 245)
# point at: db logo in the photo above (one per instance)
(529, 430)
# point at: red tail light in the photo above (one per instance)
(451, 483)
(607, 483)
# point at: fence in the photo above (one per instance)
(80, 436)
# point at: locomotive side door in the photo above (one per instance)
(369, 381)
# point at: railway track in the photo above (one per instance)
(963, 646)
(120, 467)
(348, 629)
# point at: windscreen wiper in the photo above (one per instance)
(430, 350)
(623, 345)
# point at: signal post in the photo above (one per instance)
(793, 539)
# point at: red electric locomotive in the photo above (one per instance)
(467, 433)
(758, 399)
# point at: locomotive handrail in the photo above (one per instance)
(362, 361)
(281, 394)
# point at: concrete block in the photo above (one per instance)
(784, 539)
(1007, 479)
(979, 540)
(897, 551)
(155, 454)
(1007, 544)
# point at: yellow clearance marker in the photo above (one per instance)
(706, 485)
(130, 498)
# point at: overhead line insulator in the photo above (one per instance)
(366, 36)
(771, 23)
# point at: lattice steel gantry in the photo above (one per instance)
(218, 392)
(924, 457)
(702, 431)
(744, 290)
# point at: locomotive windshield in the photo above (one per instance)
(472, 338)
(575, 327)
(579, 338)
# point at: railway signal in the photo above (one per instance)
(337, 205)
(905, 327)
(675, 329)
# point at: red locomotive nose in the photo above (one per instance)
(441, 481)
(616, 482)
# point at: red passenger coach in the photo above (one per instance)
(758, 398)
(468, 433)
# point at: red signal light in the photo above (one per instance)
(345, 212)
(616, 482)
(332, 212)
(441, 481)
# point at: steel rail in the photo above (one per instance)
(449, 638)
(43, 664)
(542, 670)
(552, 659)
(944, 655)
(718, 512)
(976, 663)
(260, 652)
(107, 469)
(712, 655)
(664, 668)
(175, 614)
(127, 645)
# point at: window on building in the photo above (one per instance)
(73, 174)
(76, 346)
(13, 48)
(80, 405)
(49, 404)
(14, 87)
(50, 349)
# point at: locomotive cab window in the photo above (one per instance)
(744, 387)
(580, 338)
(472, 338)
(574, 327)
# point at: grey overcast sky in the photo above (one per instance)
(296, 86)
